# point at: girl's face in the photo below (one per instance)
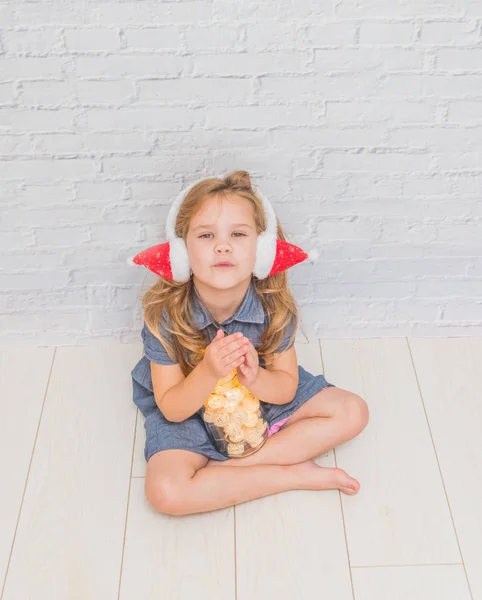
(223, 231)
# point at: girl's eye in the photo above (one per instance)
(236, 233)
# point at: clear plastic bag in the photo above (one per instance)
(235, 418)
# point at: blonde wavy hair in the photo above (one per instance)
(167, 302)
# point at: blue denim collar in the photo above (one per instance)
(251, 309)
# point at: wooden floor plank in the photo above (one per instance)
(440, 582)
(400, 516)
(71, 528)
(450, 375)
(177, 557)
(24, 375)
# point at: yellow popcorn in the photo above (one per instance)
(250, 405)
(235, 449)
(236, 416)
(239, 416)
(252, 420)
(261, 426)
(230, 406)
(215, 401)
(221, 418)
(234, 395)
(208, 416)
(233, 429)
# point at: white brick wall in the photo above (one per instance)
(360, 119)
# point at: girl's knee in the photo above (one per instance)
(166, 495)
(356, 413)
(168, 478)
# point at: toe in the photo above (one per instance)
(351, 487)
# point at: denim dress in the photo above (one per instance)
(191, 434)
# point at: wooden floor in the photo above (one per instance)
(74, 523)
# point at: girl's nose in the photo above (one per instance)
(222, 247)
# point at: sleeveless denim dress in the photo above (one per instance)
(191, 434)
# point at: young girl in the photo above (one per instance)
(202, 319)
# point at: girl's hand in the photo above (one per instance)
(248, 369)
(224, 353)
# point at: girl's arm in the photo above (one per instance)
(277, 383)
(275, 387)
(184, 399)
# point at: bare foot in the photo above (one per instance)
(326, 478)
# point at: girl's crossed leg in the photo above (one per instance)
(180, 482)
(330, 418)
